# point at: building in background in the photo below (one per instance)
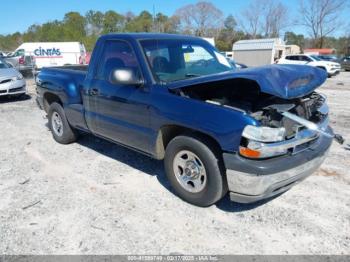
(320, 51)
(258, 52)
(292, 50)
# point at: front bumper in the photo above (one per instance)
(334, 71)
(13, 88)
(253, 180)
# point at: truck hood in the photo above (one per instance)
(284, 81)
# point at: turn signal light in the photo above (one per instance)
(250, 153)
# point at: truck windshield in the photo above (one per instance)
(173, 60)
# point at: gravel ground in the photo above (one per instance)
(93, 197)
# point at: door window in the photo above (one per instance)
(291, 57)
(116, 55)
(304, 58)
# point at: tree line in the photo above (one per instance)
(261, 19)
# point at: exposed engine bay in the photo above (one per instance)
(308, 107)
(243, 94)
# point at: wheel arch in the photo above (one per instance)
(168, 132)
(50, 98)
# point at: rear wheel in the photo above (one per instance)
(62, 132)
(195, 171)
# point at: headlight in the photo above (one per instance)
(258, 141)
(264, 134)
(18, 77)
(261, 150)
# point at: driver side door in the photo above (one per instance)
(121, 111)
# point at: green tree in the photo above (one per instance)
(113, 22)
(73, 27)
(230, 23)
(293, 39)
(89, 42)
(51, 32)
(161, 22)
(10, 42)
(32, 34)
(227, 34)
(94, 22)
(141, 23)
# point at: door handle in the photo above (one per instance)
(94, 91)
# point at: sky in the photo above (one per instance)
(23, 13)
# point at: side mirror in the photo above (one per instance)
(125, 77)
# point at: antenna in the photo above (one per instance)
(154, 18)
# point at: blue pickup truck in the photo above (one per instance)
(253, 133)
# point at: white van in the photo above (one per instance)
(48, 54)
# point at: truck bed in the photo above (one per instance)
(71, 76)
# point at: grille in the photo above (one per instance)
(304, 146)
(13, 90)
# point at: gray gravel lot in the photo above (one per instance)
(93, 197)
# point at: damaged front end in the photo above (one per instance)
(290, 120)
(290, 136)
(287, 127)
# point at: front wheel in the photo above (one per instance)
(195, 172)
(62, 132)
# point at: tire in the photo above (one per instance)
(210, 187)
(61, 131)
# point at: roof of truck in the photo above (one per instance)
(139, 36)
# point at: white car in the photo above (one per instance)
(11, 81)
(332, 68)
